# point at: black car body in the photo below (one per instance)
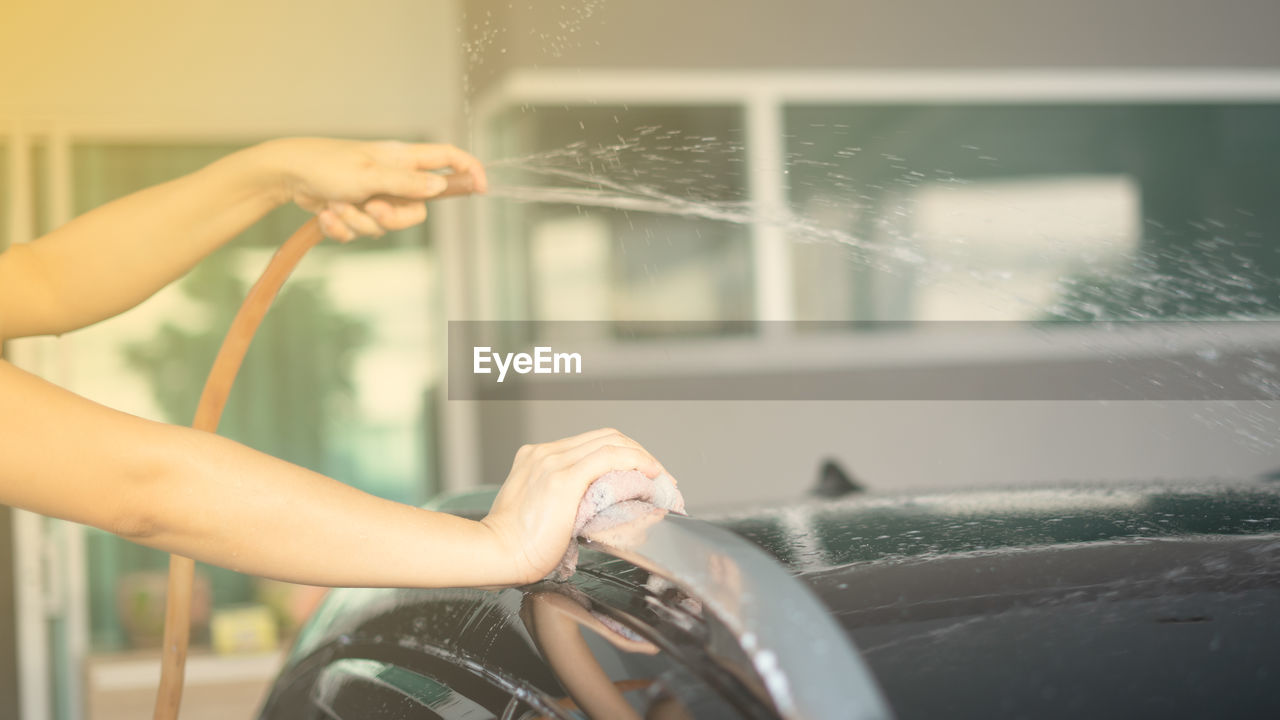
(1119, 601)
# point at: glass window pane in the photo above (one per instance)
(340, 377)
(1036, 212)
(604, 213)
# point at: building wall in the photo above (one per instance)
(232, 65)
(869, 34)
(729, 453)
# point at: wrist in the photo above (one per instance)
(267, 171)
(498, 557)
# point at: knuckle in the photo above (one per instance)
(612, 452)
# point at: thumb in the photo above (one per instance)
(411, 184)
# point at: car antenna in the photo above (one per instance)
(834, 481)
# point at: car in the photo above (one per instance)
(1121, 600)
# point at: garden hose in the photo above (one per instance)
(177, 618)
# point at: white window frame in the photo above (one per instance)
(764, 95)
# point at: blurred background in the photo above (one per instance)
(1037, 165)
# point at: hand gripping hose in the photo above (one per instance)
(177, 618)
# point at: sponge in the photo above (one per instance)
(616, 509)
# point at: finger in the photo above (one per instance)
(432, 156)
(617, 437)
(413, 184)
(396, 213)
(333, 227)
(650, 467)
(607, 459)
(572, 455)
(613, 437)
(530, 454)
(563, 444)
(357, 220)
(567, 456)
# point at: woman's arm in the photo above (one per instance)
(206, 497)
(114, 257)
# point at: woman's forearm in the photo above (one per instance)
(231, 506)
(206, 497)
(114, 257)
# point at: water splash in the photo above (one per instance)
(596, 188)
(665, 171)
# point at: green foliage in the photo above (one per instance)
(296, 380)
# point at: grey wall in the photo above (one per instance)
(725, 453)
(869, 34)
(933, 434)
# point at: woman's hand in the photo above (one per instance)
(532, 516)
(367, 188)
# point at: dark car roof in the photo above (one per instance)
(1088, 601)
(1115, 601)
(817, 534)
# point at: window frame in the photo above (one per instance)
(763, 96)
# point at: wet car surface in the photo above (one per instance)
(1132, 601)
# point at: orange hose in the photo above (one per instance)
(177, 616)
(177, 619)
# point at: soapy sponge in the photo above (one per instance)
(616, 507)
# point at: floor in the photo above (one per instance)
(121, 687)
